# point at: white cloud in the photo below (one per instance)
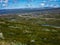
(42, 4)
(51, 5)
(55, 6)
(6, 1)
(4, 5)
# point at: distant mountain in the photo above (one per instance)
(28, 10)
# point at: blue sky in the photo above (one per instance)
(10, 4)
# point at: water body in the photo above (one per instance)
(51, 26)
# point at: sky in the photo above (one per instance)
(16, 4)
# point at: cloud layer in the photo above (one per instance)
(28, 3)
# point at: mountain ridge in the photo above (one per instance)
(27, 10)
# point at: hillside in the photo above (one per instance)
(34, 28)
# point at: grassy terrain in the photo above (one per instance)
(28, 31)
